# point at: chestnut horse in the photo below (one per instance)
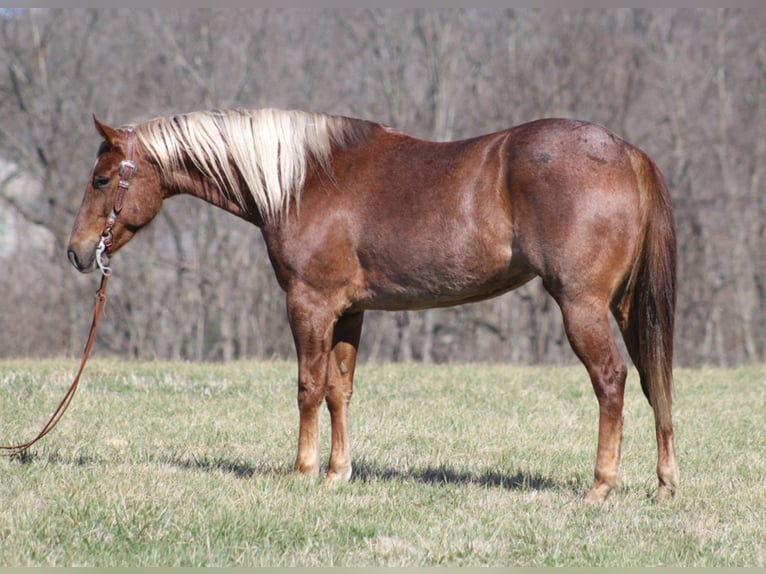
(357, 216)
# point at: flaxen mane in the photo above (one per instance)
(267, 150)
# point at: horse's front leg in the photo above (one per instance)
(340, 386)
(312, 326)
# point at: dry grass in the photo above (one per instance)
(190, 464)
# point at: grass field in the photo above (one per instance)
(190, 464)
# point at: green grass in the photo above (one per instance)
(189, 464)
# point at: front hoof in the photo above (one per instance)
(337, 478)
(307, 471)
(598, 493)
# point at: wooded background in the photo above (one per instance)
(686, 85)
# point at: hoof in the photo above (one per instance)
(337, 478)
(598, 493)
(664, 493)
(306, 471)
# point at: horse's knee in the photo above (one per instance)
(310, 393)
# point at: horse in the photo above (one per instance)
(357, 215)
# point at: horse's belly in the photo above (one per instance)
(442, 284)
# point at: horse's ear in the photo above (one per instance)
(111, 135)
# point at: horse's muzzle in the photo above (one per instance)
(83, 263)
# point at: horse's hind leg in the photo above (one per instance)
(587, 327)
(667, 467)
(340, 385)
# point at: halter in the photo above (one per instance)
(127, 171)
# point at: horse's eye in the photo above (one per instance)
(100, 182)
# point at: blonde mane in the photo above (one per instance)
(265, 153)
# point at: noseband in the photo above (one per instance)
(127, 171)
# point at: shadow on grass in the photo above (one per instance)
(238, 468)
(366, 471)
(182, 460)
(55, 457)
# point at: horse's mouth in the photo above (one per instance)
(86, 263)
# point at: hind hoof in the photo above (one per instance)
(664, 493)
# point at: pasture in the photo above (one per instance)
(191, 464)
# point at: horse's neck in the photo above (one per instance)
(197, 185)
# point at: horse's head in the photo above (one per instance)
(140, 202)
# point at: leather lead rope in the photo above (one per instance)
(18, 449)
(127, 170)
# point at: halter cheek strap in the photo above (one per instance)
(127, 171)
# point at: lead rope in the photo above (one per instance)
(18, 449)
(127, 170)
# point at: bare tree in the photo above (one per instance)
(687, 85)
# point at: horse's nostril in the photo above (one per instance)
(73, 259)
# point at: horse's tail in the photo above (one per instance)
(650, 293)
